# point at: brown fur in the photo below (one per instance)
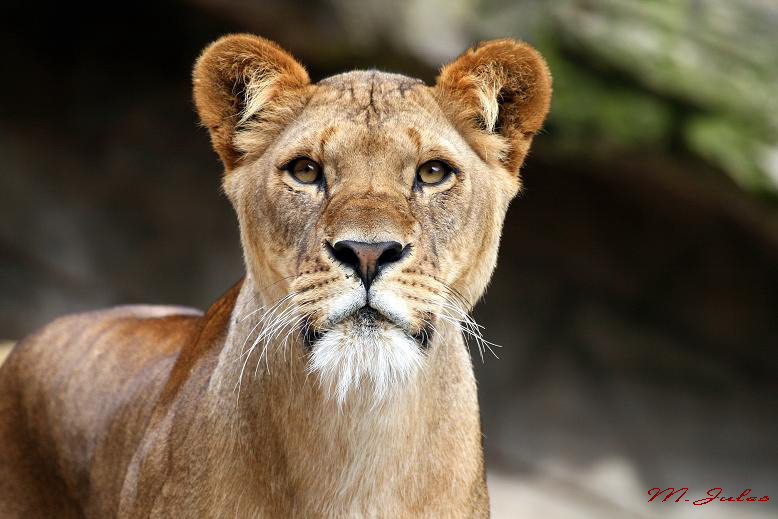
(147, 412)
(518, 84)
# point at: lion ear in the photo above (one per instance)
(498, 88)
(243, 81)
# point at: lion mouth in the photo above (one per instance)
(368, 317)
(311, 336)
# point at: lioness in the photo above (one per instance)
(333, 380)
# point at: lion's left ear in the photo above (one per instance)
(243, 81)
(498, 88)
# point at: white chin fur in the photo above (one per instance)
(374, 360)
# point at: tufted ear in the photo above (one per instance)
(246, 84)
(497, 94)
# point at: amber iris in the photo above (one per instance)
(305, 170)
(433, 172)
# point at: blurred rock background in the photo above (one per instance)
(636, 296)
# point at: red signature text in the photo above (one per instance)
(714, 494)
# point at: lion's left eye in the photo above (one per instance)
(433, 172)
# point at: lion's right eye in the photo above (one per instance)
(305, 170)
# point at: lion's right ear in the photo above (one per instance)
(246, 82)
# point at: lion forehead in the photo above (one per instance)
(369, 79)
(372, 97)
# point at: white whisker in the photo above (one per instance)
(267, 324)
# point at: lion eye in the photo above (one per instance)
(305, 170)
(433, 172)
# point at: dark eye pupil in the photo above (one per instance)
(433, 172)
(304, 166)
(306, 171)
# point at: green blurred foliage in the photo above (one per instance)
(592, 114)
(735, 146)
(703, 71)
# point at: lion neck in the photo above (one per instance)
(321, 459)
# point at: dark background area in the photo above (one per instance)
(636, 295)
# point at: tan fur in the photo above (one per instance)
(147, 412)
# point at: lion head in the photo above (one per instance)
(370, 203)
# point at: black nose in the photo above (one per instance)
(367, 259)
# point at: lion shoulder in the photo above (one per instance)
(81, 359)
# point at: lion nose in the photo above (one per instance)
(367, 259)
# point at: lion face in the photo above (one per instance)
(370, 204)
